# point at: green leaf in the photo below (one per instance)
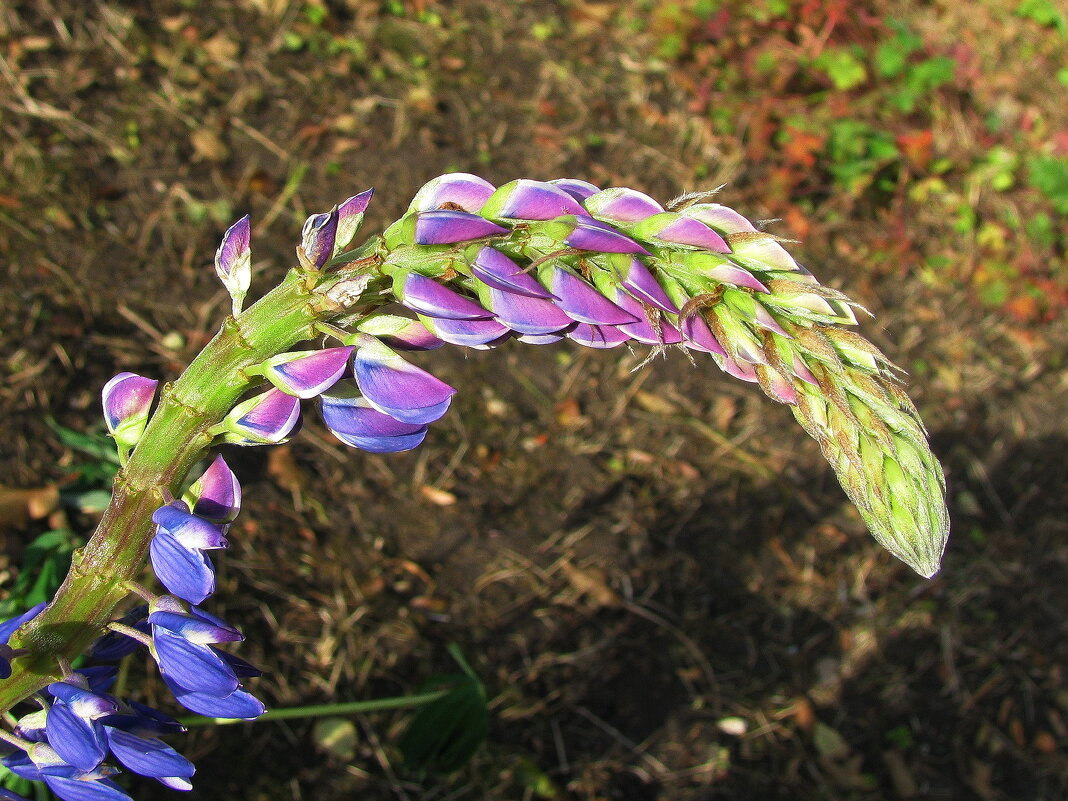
(843, 68)
(1044, 12)
(1049, 175)
(444, 734)
(99, 446)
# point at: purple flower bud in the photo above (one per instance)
(216, 495)
(496, 270)
(742, 370)
(637, 280)
(530, 200)
(622, 204)
(349, 217)
(127, 399)
(699, 336)
(589, 234)
(186, 572)
(801, 370)
(733, 274)
(780, 388)
(527, 315)
(674, 229)
(723, 219)
(401, 333)
(479, 334)
(447, 227)
(580, 190)
(581, 302)
(652, 328)
(356, 423)
(432, 298)
(461, 189)
(397, 387)
(233, 261)
(307, 373)
(597, 336)
(319, 236)
(188, 529)
(266, 419)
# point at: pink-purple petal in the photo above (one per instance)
(217, 492)
(446, 227)
(267, 418)
(578, 189)
(739, 276)
(582, 303)
(723, 219)
(309, 375)
(349, 217)
(675, 229)
(588, 235)
(662, 333)
(698, 336)
(319, 236)
(496, 270)
(641, 283)
(527, 315)
(622, 204)
(127, 399)
(524, 199)
(462, 189)
(432, 298)
(234, 253)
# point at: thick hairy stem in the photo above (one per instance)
(176, 438)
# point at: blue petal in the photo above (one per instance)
(196, 630)
(239, 704)
(186, 572)
(70, 789)
(78, 741)
(148, 757)
(194, 667)
(8, 627)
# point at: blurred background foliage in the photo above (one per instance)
(654, 575)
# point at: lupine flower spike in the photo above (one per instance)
(469, 264)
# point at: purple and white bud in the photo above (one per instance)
(266, 419)
(319, 237)
(127, 400)
(723, 219)
(530, 200)
(216, 495)
(307, 373)
(349, 218)
(586, 233)
(674, 229)
(397, 387)
(622, 204)
(462, 189)
(233, 261)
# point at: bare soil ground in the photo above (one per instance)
(666, 592)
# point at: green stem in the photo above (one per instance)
(177, 436)
(322, 710)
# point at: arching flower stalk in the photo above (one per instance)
(468, 264)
